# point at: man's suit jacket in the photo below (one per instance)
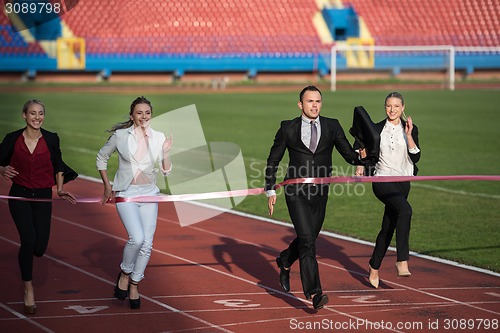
(52, 140)
(304, 163)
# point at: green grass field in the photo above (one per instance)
(456, 220)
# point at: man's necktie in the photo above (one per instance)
(314, 137)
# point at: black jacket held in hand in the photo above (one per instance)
(366, 135)
(378, 127)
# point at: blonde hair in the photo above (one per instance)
(33, 101)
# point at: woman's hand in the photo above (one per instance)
(167, 144)
(9, 172)
(409, 126)
(67, 196)
(108, 194)
(409, 138)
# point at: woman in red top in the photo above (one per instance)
(31, 158)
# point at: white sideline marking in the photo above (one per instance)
(417, 184)
(350, 239)
(80, 150)
(446, 190)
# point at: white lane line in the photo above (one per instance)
(362, 274)
(23, 317)
(92, 315)
(461, 288)
(214, 295)
(63, 263)
(286, 294)
(268, 288)
(325, 233)
(387, 307)
(194, 263)
(271, 293)
(346, 238)
(200, 265)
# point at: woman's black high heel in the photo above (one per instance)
(120, 293)
(134, 303)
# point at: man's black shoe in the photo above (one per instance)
(319, 300)
(284, 275)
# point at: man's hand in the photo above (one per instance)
(360, 170)
(270, 204)
(362, 153)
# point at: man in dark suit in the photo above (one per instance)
(310, 140)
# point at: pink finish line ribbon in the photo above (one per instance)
(257, 191)
(323, 180)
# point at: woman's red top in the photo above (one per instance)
(35, 169)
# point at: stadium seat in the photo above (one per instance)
(193, 26)
(429, 22)
(259, 27)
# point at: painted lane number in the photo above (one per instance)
(86, 309)
(236, 303)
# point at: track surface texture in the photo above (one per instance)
(219, 275)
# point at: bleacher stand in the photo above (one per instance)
(249, 36)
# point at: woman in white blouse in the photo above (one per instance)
(399, 153)
(139, 149)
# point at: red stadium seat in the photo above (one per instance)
(183, 26)
(429, 22)
(262, 27)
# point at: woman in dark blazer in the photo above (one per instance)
(31, 158)
(398, 154)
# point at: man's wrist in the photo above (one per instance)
(270, 193)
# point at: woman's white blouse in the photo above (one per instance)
(125, 142)
(394, 159)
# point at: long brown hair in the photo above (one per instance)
(129, 122)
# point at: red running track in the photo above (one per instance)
(220, 276)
